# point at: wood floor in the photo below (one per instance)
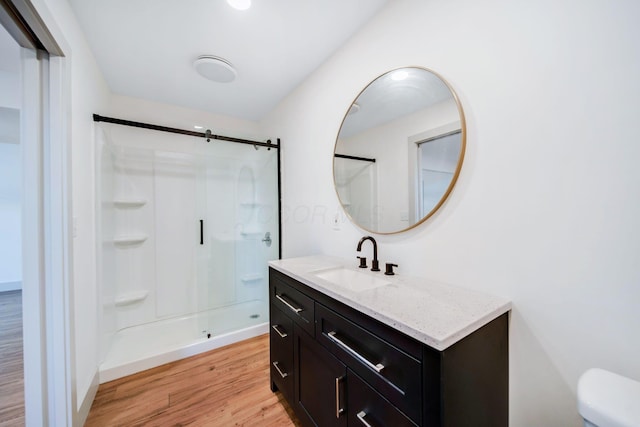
(11, 363)
(224, 387)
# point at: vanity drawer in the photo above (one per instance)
(368, 408)
(394, 373)
(293, 303)
(281, 351)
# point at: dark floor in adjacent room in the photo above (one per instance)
(11, 363)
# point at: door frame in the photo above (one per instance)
(50, 396)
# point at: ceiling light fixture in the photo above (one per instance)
(399, 75)
(240, 4)
(215, 69)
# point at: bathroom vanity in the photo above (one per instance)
(350, 347)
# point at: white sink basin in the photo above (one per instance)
(351, 279)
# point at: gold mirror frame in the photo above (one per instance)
(456, 173)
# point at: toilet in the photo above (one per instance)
(606, 399)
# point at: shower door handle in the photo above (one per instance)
(202, 231)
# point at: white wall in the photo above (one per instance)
(10, 217)
(10, 88)
(10, 165)
(124, 107)
(88, 94)
(545, 211)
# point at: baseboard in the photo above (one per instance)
(10, 286)
(85, 407)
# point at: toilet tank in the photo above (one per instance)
(606, 399)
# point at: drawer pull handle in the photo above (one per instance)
(339, 410)
(282, 374)
(277, 329)
(377, 367)
(292, 308)
(361, 416)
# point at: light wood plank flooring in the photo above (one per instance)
(224, 387)
(11, 363)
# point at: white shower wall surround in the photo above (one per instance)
(182, 224)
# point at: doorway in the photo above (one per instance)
(43, 263)
(11, 354)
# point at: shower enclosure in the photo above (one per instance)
(186, 228)
(356, 184)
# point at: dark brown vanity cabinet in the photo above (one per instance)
(339, 367)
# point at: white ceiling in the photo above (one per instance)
(386, 99)
(145, 48)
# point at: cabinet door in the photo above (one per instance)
(320, 383)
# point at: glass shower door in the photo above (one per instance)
(238, 201)
(176, 202)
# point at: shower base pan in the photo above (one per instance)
(153, 344)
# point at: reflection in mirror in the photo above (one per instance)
(399, 150)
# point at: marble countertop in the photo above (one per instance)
(434, 313)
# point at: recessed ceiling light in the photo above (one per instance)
(198, 127)
(215, 69)
(240, 4)
(399, 75)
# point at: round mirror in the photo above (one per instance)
(399, 150)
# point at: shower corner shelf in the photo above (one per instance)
(130, 298)
(129, 239)
(129, 203)
(254, 204)
(251, 278)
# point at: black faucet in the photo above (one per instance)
(374, 262)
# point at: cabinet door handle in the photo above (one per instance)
(361, 416)
(282, 374)
(276, 328)
(376, 367)
(292, 308)
(339, 410)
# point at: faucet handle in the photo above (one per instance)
(363, 261)
(389, 269)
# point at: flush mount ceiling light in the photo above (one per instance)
(240, 4)
(399, 75)
(215, 69)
